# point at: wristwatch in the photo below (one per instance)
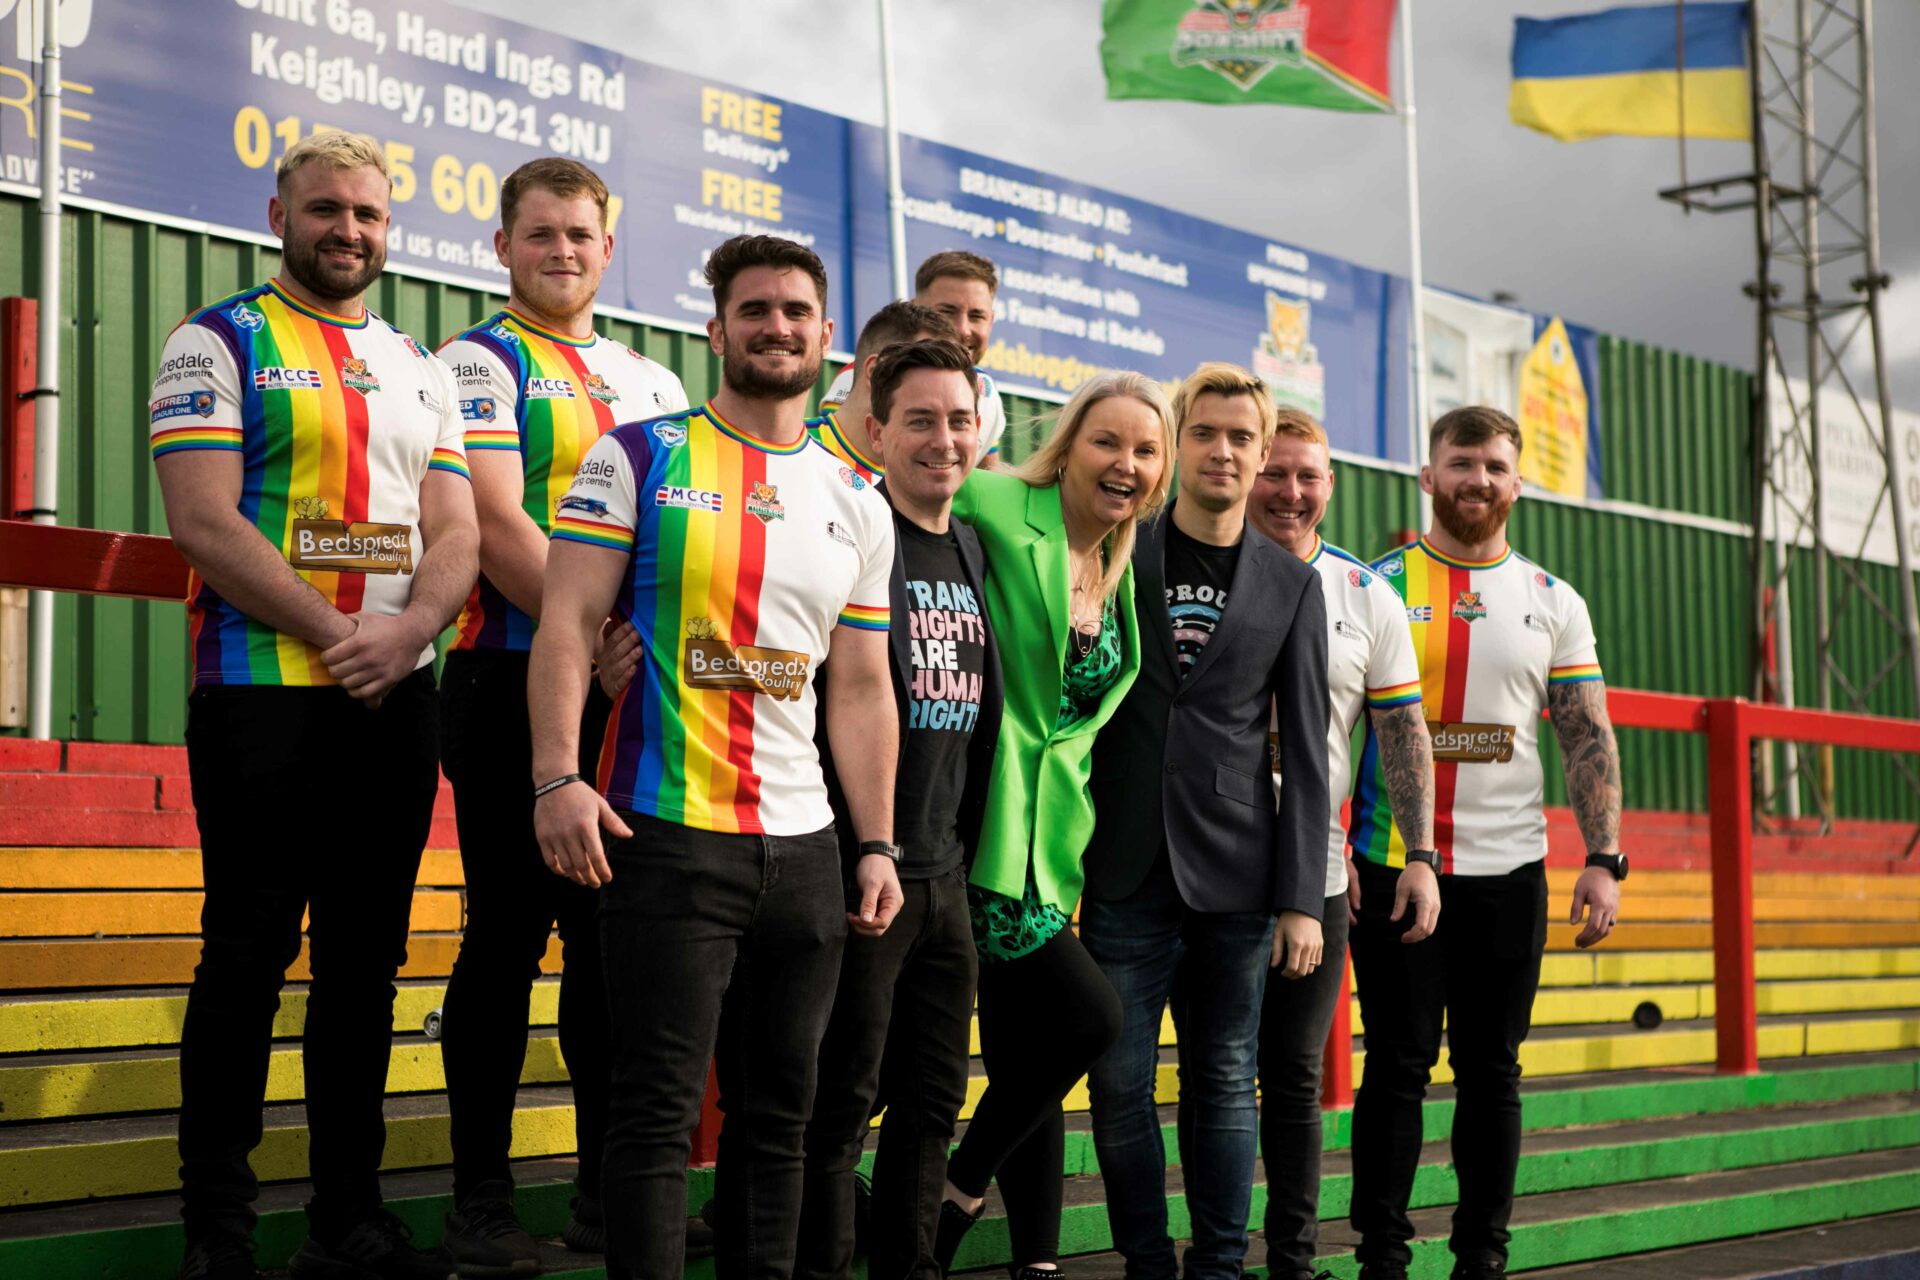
(884, 848)
(1429, 856)
(1614, 862)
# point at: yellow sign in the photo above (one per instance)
(1553, 416)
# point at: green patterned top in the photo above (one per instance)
(1005, 928)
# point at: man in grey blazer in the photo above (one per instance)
(1191, 856)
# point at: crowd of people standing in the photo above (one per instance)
(812, 736)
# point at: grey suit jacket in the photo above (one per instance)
(1186, 763)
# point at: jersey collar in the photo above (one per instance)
(549, 334)
(735, 434)
(1319, 549)
(325, 317)
(832, 419)
(1494, 563)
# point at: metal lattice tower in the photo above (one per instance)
(1821, 362)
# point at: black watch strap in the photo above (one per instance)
(1429, 856)
(1613, 862)
(885, 848)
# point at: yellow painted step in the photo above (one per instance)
(160, 912)
(1766, 884)
(107, 963)
(31, 868)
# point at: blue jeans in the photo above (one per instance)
(1141, 943)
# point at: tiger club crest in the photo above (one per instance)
(600, 389)
(764, 502)
(1469, 607)
(354, 373)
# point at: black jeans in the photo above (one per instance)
(1044, 1019)
(722, 946)
(1480, 969)
(898, 1038)
(513, 902)
(1294, 1020)
(309, 803)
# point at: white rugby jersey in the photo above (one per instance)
(993, 415)
(1490, 639)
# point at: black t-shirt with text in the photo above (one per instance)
(1198, 575)
(946, 630)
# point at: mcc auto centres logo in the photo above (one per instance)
(1242, 40)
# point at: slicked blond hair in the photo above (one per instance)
(1224, 379)
(1298, 424)
(335, 150)
(1043, 469)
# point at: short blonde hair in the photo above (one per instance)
(1223, 379)
(1298, 424)
(1044, 468)
(334, 149)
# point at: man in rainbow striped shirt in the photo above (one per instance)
(310, 458)
(743, 553)
(1497, 639)
(537, 387)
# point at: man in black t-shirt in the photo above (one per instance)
(899, 1032)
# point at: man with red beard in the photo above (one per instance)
(1497, 638)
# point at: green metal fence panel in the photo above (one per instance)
(1674, 431)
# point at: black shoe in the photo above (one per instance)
(1479, 1271)
(1384, 1271)
(381, 1248)
(955, 1222)
(587, 1226)
(1036, 1273)
(218, 1255)
(485, 1237)
(862, 1213)
(699, 1239)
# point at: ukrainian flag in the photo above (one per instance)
(1620, 72)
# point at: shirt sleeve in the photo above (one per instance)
(1575, 655)
(196, 402)
(487, 389)
(601, 508)
(1393, 673)
(867, 609)
(672, 391)
(449, 446)
(993, 417)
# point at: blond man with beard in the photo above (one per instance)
(1497, 639)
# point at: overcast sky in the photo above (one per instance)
(1571, 229)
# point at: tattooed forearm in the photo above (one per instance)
(1406, 765)
(1592, 760)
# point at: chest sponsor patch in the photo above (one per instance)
(676, 495)
(670, 434)
(710, 662)
(1467, 743)
(1420, 613)
(280, 378)
(549, 389)
(195, 403)
(340, 546)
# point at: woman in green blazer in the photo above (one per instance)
(1058, 535)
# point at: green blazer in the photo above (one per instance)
(1037, 801)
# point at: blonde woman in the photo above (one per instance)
(1058, 534)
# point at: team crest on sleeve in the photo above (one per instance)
(354, 373)
(247, 318)
(1469, 607)
(1359, 577)
(670, 434)
(1542, 578)
(852, 481)
(185, 404)
(592, 506)
(413, 346)
(503, 333)
(764, 502)
(1393, 568)
(480, 410)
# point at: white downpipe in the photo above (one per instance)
(896, 193)
(46, 405)
(1416, 274)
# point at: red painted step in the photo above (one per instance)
(124, 757)
(34, 755)
(78, 790)
(106, 828)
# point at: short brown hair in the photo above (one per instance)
(744, 252)
(1298, 424)
(901, 321)
(1223, 379)
(334, 150)
(1472, 424)
(956, 262)
(563, 177)
(902, 358)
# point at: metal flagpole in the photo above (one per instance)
(1417, 322)
(46, 408)
(896, 194)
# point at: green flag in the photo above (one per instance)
(1330, 54)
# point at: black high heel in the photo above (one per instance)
(955, 1222)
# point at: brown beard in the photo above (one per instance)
(331, 284)
(1468, 530)
(749, 383)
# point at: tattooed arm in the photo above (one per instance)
(1406, 766)
(1592, 761)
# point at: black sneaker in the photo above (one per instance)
(587, 1226)
(1384, 1271)
(1479, 1271)
(485, 1237)
(699, 1238)
(862, 1213)
(219, 1255)
(381, 1248)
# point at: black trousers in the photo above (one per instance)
(727, 947)
(513, 903)
(309, 803)
(1480, 970)
(1294, 1020)
(1044, 1019)
(898, 1038)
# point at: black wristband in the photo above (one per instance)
(556, 784)
(884, 848)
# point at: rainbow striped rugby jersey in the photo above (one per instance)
(336, 423)
(993, 414)
(1490, 638)
(742, 559)
(528, 391)
(1370, 665)
(827, 431)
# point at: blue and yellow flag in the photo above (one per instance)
(1622, 71)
